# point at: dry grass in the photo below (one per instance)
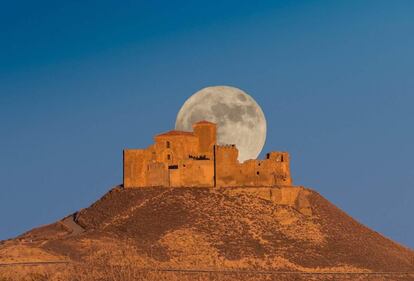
(130, 274)
(113, 266)
(199, 229)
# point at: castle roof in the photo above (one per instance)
(204, 122)
(176, 133)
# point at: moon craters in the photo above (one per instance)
(239, 118)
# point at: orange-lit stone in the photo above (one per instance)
(193, 159)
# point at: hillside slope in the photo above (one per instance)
(204, 229)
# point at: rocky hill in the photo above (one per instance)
(286, 229)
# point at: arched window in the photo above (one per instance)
(168, 157)
(168, 144)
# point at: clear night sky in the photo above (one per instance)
(81, 80)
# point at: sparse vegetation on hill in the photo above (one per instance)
(127, 232)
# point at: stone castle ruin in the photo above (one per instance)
(194, 159)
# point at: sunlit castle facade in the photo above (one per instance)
(193, 159)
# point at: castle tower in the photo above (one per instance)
(281, 167)
(226, 165)
(206, 132)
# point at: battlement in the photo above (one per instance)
(278, 156)
(187, 159)
(226, 146)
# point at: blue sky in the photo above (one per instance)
(81, 80)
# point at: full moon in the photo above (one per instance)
(239, 118)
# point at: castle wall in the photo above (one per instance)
(177, 146)
(266, 172)
(193, 173)
(255, 172)
(269, 172)
(193, 159)
(134, 167)
(157, 174)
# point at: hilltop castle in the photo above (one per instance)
(193, 159)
